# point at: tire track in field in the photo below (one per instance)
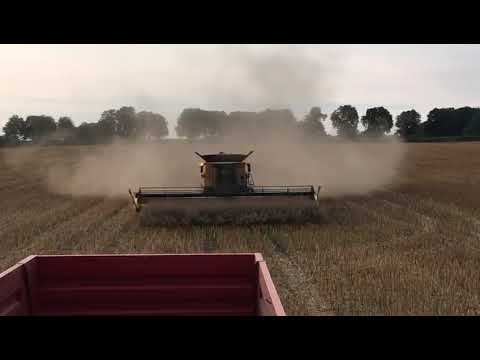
(47, 241)
(299, 282)
(35, 224)
(21, 198)
(381, 218)
(121, 232)
(416, 235)
(18, 208)
(34, 208)
(68, 232)
(471, 228)
(105, 228)
(404, 203)
(18, 239)
(435, 209)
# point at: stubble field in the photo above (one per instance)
(411, 247)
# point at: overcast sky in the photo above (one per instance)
(81, 81)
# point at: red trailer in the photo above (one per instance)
(153, 284)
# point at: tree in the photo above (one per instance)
(195, 123)
(39, 127)
(126, 121)
(345, 120)
(87, 133)
(463, 117)
(312, 124)
(242, 123)
(438, 122)
(275, 120)
(407, 123)
(65, 123)
(213, 122)
(473, 127)
(15, 129)
(449, 121)
(377, 121)
(151, 125)
(189, 124)
(108, 124)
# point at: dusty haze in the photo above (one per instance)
(281, 78)
(341, 168)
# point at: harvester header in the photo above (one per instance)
(225, 176)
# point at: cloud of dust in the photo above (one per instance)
(280, 78)
(283, 76)
(341, 168)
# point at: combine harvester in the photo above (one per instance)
(227, 195)
(151, 285)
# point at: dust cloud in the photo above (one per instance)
(285, 77)
(341, 168)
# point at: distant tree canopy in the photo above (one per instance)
(407, 123)
(473, 126)
(255, 125)
(127, 123)
(124, 122)
(65, 123)
(107, 125)
(440, 122)
(345, 120)
(377, 121)
(448, 121)
(151, 125)
(88, 134)
(195, 123)
(312, 124)
(242, 123)
(39, 127)
(271, 120)
(15, 129)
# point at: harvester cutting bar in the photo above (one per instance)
(291, 189)
(169, 192)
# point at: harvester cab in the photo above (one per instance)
(224, 176)
(226, 173)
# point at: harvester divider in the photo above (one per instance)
(134, 200)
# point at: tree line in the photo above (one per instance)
(376, 122)
(124, 122)
(195, 123)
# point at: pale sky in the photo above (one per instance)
(81, 81)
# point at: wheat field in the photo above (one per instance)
(410, 248)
